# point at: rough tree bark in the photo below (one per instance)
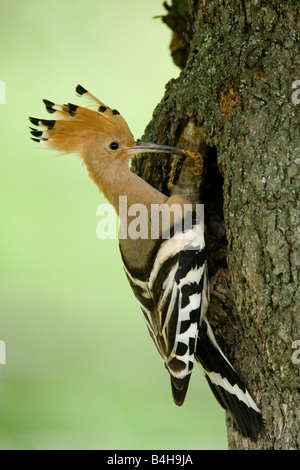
(233, 100)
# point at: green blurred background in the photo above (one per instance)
(81, 372)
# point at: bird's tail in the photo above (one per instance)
(226, 385)
(72, 128)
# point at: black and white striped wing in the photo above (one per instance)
(173, 299)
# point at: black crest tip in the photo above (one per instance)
(34, 121)
(72, 109)
(36, 133)
(48, 103)
(80, 90)
(48, 123)
(49, 106)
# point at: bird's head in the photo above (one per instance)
(96, 132)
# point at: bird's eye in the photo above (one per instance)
(114, 145)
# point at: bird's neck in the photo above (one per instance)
(114, 180)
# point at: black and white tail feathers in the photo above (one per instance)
(226, 384)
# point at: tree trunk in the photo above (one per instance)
(235, 101)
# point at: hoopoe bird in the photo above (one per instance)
(168, 274)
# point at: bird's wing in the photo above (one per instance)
(173, 299)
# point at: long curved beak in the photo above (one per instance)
(148, 147)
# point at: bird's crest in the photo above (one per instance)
(72, 128)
